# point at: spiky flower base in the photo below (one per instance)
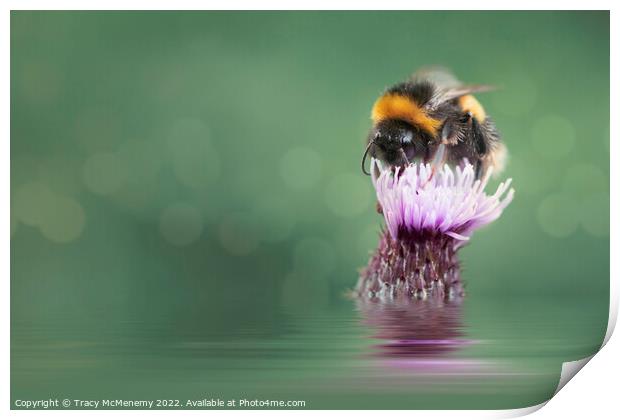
(417, 266)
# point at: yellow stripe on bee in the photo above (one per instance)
(470, 104)
(399, 107)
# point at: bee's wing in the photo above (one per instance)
(458, 91)
(448, 86)
(440, 76)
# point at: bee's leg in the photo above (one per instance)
(451, 132)
(480, 143)
(438, 160)
(478, 168)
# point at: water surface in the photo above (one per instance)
(477, 353)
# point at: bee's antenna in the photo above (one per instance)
(371, 143)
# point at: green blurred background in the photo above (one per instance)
(199, 171)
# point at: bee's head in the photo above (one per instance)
(393, 142)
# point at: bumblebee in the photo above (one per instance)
(433, 118)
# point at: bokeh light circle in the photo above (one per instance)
(31, 202)
(558, 215)
(64, 221)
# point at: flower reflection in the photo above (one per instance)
(411, 328)
(420, 337)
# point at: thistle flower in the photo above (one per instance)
(429, 215)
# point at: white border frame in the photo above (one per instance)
(596, 386)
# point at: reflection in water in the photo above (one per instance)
(412, 327)
(421, 337)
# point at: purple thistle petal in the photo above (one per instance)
(449, 201)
